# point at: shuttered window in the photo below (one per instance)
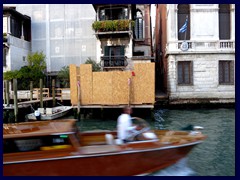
(185, 73)
(226, 72)
(224, 21)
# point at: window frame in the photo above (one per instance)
(222, 79)
(183, 73)
(105, 15)
(224, 17)
(182, 12)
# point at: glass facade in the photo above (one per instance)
(63, 32)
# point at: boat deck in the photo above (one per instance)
(99, 149)
(37, 128)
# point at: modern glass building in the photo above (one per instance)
(63, 32)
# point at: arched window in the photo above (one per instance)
(224, 21)
(139, 25)
(183, 13)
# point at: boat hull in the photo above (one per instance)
(56, 115)
(124, 163)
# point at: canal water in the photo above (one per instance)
(214, 157)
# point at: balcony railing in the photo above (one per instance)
(202, 46)
(108, 62)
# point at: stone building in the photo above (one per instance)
(197, 63)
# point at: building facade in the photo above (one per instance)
(196, 61)
(123, 34)
(16, 39)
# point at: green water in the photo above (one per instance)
(214, 157)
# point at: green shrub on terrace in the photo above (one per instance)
(112, 25)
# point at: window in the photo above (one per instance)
(16, 27)
(185, 73)
(139, 26)
(224, 21)
(113, 13)
(114, 56)
(226, 72)
(183, 12)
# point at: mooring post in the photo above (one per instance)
(41, 93)
(7, 92)
(15, 99)
(31, 90)
(53, 92)
(79, 100)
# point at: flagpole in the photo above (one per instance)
(186, 30)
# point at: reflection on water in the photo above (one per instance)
(214, 157)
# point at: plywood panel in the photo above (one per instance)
(102, 88)
(73, 84)
(111, 88)
(86, 84)
(143, 83)
(120, 87)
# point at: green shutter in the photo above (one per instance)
(122, 50)
(106, 50)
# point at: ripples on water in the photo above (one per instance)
(216, 155)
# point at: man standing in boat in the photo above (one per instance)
(124, 125)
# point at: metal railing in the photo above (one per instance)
(113, 61)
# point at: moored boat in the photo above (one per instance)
(50, 113)
(44, 148)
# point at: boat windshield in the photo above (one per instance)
(143, 131)
(141, 123)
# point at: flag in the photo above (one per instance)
(184, 27)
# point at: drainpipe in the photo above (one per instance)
(22, 35)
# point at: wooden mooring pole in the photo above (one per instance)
(7, 92)
(15, 99)
(53, 92)
(4, 93)
(41, 93)
(79, 100)
(31, 90)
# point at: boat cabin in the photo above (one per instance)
(35, 136)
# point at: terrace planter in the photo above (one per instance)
(112, 25)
